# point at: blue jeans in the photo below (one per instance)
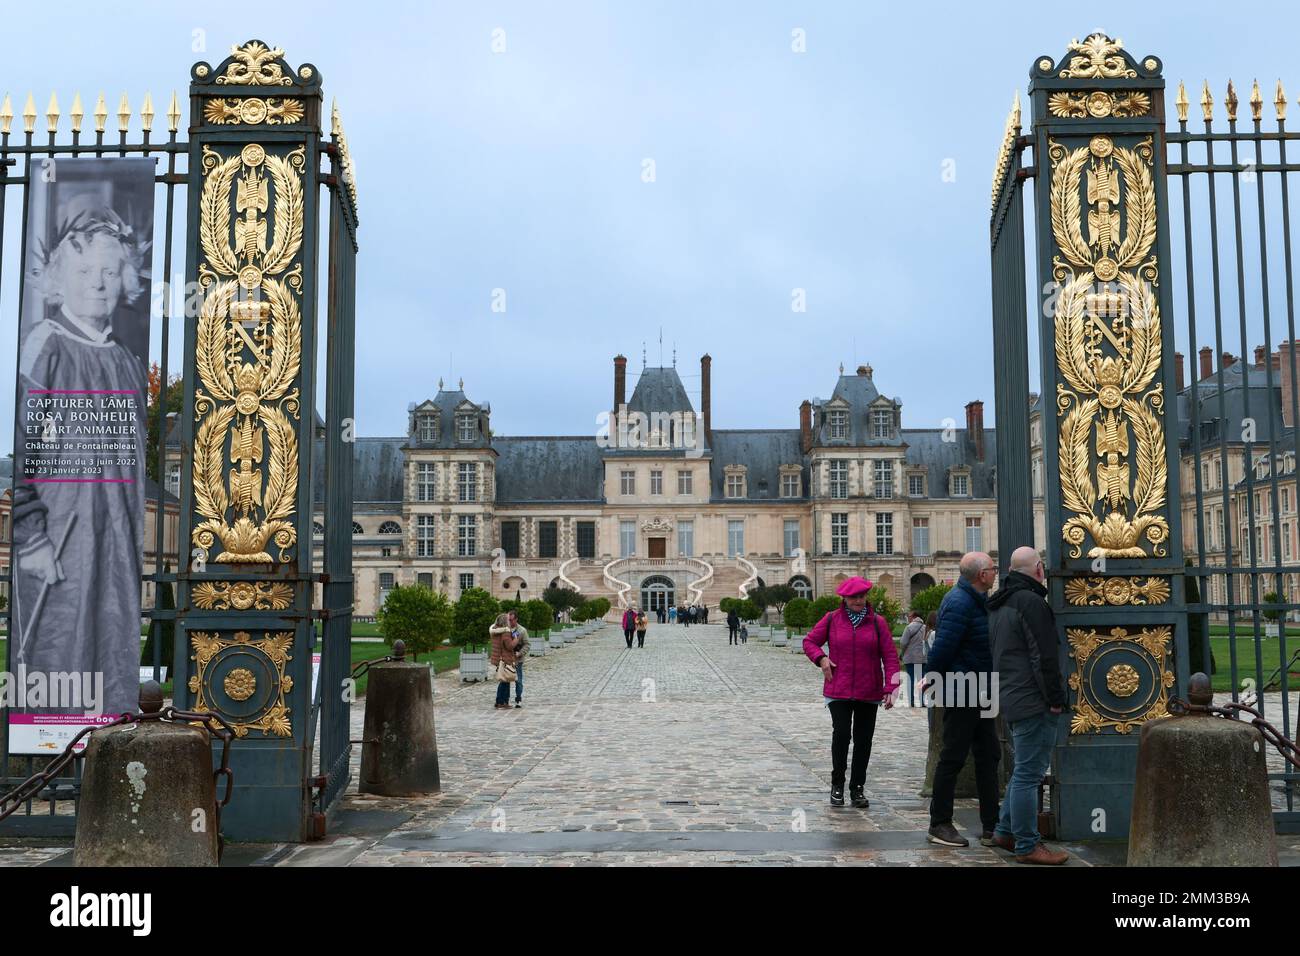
(503, 692)
(519, 683)
(1031, 739)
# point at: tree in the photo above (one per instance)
(581, 613)
(1273, 613)
(727, 603)
(416, 615)
(536, 615)
(156, 412)
(779, 595)
(885, 606)
(824, 605)
(798, 613)
(162, 630)
(747, 610)
(561, 599)
(601, 606)
(759, 597)
(476, 612)
(929, 599)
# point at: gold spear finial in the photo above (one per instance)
(146, 112)
(1207, 102)
(1279, 102)
(334, 116)
(123, 114)
(77, 112)
(1230, 102)
(1181, 102)
(1256, 102)
(52, 114)
(6, 114)
(1015, 109)
(101, 114)
(29, 114)
(174, 113)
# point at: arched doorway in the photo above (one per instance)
(920, 582)
(802, 586)
(658, 593)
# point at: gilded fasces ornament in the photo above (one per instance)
(248, 353)
(1108, 349)
(1117, 591)
(1117, 660)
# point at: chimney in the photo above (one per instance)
(975, 427)
(864, 371)
(1259, 356)
(1178, 371)
(706, 401)
(1207, 362)
(1288, 359)
(1229, 360)
(805, 426)
(620, 382)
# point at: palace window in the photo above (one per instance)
(974, 534)
(510, 538)
(386, 580)
(839, 534)
(735, 538)
(586, 539)
(424, 531)
(790, 540)
(882, 422)
(174, 479)
(467, 481)
(626, 538)
(1286, 501)
(1286, 541)
(735, 486)
(884, 534)
(1037, 479)
(686, 539)
(916, 486)
(839, 473)
(839, 421)
(465, 427)
(1205, 474)
(961, 486)
(802, 587)
(548, 539)
(426, 476)
(356, 528)
(627, 482)
(685, 482)
(884, 486)
(791, 486)
(921, 537)
(390, 527)
(425, 579)
(466, 582)
(317, 528)
(467, 536)
(656, 482)
(427, 427)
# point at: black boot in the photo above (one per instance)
(837, 796)
(859, 798)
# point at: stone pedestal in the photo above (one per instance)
(399, 751)
(147, 798)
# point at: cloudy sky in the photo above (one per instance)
(507, 146)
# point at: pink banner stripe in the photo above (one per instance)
(83, 391)
(84, 481)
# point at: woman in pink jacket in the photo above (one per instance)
(860, 665)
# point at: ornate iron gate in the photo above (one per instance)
(253, 453)
(1130, 446)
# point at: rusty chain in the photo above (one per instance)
(360, 669)
(34, 784)
(1233, 711)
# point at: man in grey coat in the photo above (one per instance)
(1031, 696)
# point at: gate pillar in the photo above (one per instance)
(245, 621)
(1114, 542)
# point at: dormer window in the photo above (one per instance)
(735, 481)
(791, 481)
(465, 427)
(426, 426)
(839, 422)
(961, 486)
(882, 423)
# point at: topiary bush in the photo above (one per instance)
(475, 613)
(927, 601)
(799, 614)
(536, 615)
(417, 616)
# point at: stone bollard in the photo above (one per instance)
(148, 797)
(1201, 796)
(399, 750)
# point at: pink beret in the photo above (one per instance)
(852, 586)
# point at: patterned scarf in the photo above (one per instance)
(856, 617)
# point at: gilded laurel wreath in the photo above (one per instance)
(248, 354)
(1107, 345)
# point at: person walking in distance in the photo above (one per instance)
(520, 634)
(641, 625)
(860, 671)
(961, 648)
(733, 627)
(912, 652)
(1026, 652)
(629, 625)
(502, 652)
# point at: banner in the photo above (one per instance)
(80, 439)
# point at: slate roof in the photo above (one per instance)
(543, 469)
(928, 447)
(376, 471)
(659, 390)
(860, 392)
(762, 452)
(445, 403)
(1243, 389)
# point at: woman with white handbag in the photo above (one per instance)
(502, 658)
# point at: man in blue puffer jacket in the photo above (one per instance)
(961, 647)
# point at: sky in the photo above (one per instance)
(624, 171)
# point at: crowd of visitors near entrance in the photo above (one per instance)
(1007, 642)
